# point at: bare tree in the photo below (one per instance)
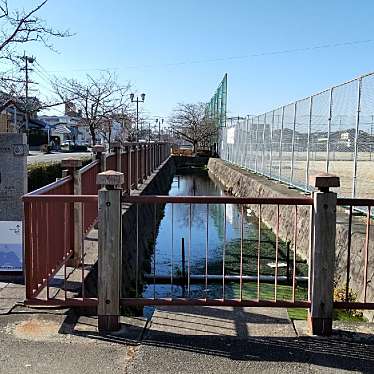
(19, 26)
(24, 26)
(191, 123)
(100, 99)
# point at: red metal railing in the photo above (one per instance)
(111, 162)
(133, 166)
(89, 187)
(185, 277)
(125, 170)
(49, 241)
(357, 250)
(49, 236)
(49, 225)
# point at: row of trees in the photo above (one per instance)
(101, 100)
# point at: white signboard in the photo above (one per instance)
(231, 135)
(11, 246)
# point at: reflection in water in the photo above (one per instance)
(203, 230)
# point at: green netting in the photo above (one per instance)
(217, 106)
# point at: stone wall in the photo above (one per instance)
(242, 183)
(239, 182)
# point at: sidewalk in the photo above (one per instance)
(245, 340)
(10, 295)
(175, 340)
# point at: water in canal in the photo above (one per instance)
(211, 234)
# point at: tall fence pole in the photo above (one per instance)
(308, 143)
(110, 250)
(271, 145)
(251, 143)
(73, 166)
(357, 128)
(329, 130)
(258, 121)
(263, 146)
(281, 146)
(241, 142)
(247, 142)
(293, 142)
(321, 274)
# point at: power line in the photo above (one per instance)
(230, 58)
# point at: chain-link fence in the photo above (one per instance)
(331, 131)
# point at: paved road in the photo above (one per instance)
(35, 157)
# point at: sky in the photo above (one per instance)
(178, 51)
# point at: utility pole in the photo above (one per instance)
(27, 59)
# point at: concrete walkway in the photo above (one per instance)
(10, 295)
(247, 340)
(175, 340)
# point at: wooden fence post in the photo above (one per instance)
(99, 151)
(322, 255)
(116, 146)
(110, 250)
(72, 166)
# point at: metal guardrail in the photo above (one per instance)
(357, 227)
(57, 219)
(187, 278)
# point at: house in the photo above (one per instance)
(11, 115)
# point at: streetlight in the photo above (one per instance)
(137, 101)
(159, 121)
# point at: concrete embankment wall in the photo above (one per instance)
(239, 182)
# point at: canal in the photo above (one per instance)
(196, 240)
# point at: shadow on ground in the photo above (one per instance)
(324, 354)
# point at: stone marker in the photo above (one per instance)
(13, 185)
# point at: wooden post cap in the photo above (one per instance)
(323, 181)
(68, 163)
(110, 178)
(98, 149)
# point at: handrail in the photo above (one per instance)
(49, 186)
(149, 199)
(354, 202)
(62, 198)
(89, 166)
